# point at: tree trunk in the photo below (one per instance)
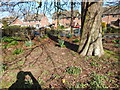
(71, 22)
(91, 29)
(58, 5)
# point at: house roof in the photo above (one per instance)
(65, 14)
(17, 22)
(111, 10)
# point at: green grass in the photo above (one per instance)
(68, 36)
(4, 46)
(45, 37)
(94, 64)
(7, 39)
(4, 67)
(98, 81)
(73, 70)
(116, 41)
(109, 52)
(17, 51)
(56, 75)
(29, 44)
(13, 43)
(81, 85)
(117, 45)
(10, 39)
(61, 42)
(111, 33)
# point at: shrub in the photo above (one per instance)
(61, 42)
(68, 35)
(73, 70)
(109, 29)
(10, 30)
(75, 40)
(117, 45)
(116, 41)
(103, 25)
(45, 37)
(17, 51)
(61, 27)
(54, 32)
(115, 30)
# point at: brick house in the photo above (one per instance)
(17, 22)
(41, 21)
(65, 18)
(111, 15)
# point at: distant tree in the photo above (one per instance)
(71, 22)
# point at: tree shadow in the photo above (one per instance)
(21, 83)
(68, 45)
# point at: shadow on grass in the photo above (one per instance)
(22, 84)
(68, 45)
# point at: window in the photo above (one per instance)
(67, 24)
(67, 18)
(114, 15)
(103, 15)
(37, 25)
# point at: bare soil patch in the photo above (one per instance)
(48, 62)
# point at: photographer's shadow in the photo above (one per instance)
(21, 83)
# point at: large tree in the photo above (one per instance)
(91, 29)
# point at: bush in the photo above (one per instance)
(61, 27)
(76, 40)
(116, 41)
(113, 30)
(54, 32)
(109, 29)
(45, 37)
(104, 25)
(17, 51)
(68, 35)
(11, 30)
(61, 42)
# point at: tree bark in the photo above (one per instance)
(58, 5)
(71, 22)
(91, 29)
